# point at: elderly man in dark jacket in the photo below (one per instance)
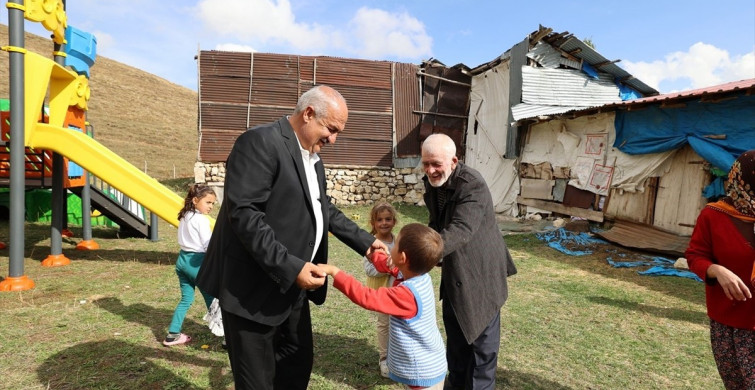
(475, 265)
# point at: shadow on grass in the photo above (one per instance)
(122, 365)
(695, 317)
(40, 252)
(347, 360)
(353, 362)
(157, 320)
(511, 379)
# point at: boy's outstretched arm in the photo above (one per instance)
(397, 301)
(329, 269)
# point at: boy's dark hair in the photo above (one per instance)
(422, 245)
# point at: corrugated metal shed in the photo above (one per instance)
(242, 90)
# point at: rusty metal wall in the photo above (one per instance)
(445, 98)
(277, 80)
(225, 77)
(406, 98)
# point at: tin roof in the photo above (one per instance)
(692, 93)
(577, 51)
(712, 92)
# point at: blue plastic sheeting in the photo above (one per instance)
(714, 189)
(665, 271)
(660, 266)
(626, 92)
(655, 129)
(590, 71)
(558, 237)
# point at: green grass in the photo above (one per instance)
(570, 322)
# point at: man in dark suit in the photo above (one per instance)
(475, 265)
(272, 229)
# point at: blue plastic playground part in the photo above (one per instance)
(81, 50)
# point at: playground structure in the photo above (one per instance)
(41, 146)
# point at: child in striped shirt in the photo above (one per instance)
(416, 353)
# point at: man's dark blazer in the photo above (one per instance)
(476, 261)
(265, 230)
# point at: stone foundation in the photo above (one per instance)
(346, 185)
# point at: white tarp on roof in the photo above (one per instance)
(486, 137)
(555, 91)
(576, 143)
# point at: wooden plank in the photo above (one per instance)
(537, 188)
(591, 215)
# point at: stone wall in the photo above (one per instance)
(346, 185)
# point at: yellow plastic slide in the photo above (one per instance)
(108, 166)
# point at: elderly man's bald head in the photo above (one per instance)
(440, 143)
(438, 158)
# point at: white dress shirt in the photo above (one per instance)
(310, 159)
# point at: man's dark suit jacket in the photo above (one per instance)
(476, 261)
(265, 230)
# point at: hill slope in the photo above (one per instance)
(147, 120)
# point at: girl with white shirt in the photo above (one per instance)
(194, 233)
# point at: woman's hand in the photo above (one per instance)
(734, 287)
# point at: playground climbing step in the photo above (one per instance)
(130, 223)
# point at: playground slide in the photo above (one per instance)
(110, 167)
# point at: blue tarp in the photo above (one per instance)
(581, 244)
(660, 266)
(655, 129)
(626, 92)
(556, 239)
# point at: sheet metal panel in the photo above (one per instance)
(566, 87)
(261, 115)
(224, 89)
(224, 63)
(216, 144)
(224, 76)
(644, 237)
(223, 116)
(366, 141)
(524, 110)
(358, 152)
(406, 100)
(339, 72)
(367, 99)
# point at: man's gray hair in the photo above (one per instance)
(321, 98)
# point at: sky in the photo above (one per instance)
(670, 45)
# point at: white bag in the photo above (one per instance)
(214, 319)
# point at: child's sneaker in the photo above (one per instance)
(181, 339)
(384, 369)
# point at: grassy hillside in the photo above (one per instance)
(145, 119)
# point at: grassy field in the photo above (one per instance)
(570, 323)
